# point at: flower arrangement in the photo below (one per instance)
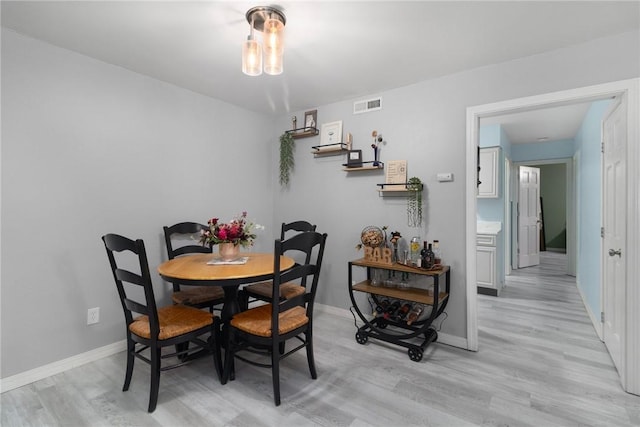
(238, 231)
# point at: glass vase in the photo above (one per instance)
(229, 251)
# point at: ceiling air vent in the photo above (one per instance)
(367, 105)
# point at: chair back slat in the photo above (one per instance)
(135, 306)
(123, 278)
(129, 277)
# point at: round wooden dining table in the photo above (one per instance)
(195, 270)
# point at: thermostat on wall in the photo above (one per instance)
(445, 177)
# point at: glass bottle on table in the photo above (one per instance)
(437, 256)
(415, 249)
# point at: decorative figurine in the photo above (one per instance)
(377, 139)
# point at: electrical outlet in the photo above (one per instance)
(93, 315)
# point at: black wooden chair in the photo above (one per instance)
(196, 296)
(155, 328)
(269, 326)
(262, 290)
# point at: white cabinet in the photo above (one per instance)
(489, 172)
(487, 242)
(486, 266)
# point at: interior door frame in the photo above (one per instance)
(630, 374)
(569, 205)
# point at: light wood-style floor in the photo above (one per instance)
(540, 363)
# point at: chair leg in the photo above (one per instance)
(275, 373)
(228, 360)
(180, 348)
(215, 348)
(243, 300)
(155, 378)
(131, 348)
(310, 358)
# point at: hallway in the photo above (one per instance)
(539, 332)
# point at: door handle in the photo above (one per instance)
(613, 253)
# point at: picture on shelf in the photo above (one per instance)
(310, 119)
(354, 159)
(331, 133)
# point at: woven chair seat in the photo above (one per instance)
(287, 290)
(257, 321)
(193, 295)
(174, 320)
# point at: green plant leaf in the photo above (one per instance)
(287, 145)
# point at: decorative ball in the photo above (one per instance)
(372, 236)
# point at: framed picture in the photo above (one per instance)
(354, 159)
(310, 119)
(331, 133)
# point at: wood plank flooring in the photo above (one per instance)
(540, 363)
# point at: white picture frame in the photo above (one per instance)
(331, 133)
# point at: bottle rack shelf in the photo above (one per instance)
(303, 132)
(402, 334)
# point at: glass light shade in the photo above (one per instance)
(251, 57)
(273, 36)
(273, 62)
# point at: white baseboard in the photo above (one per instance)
(54, 368)
(447, 339)
(595, 320)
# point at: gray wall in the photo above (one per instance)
(89, 148)
(81, 137)
(425, 123)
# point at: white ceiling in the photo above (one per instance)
(335, 50)
(545, 124)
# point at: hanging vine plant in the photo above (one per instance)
(286, 157)
(414, 202)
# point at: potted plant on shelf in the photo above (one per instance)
(286, 157)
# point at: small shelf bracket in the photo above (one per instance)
(400, 186)
(336, 148)
(303, 132)
(366, 166)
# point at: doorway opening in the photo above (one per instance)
(630, 368)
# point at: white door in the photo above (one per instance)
(529, 217)
(613, 218)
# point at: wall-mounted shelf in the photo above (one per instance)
(366, 166)
(303, 132)
(401, 188)
(329, 149)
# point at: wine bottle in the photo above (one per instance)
(382, 306)
(415, 313)
(427, 262)
(423, 254)
(390, 311)
(404, 310)
(427, 256)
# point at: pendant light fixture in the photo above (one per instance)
(270, 22)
